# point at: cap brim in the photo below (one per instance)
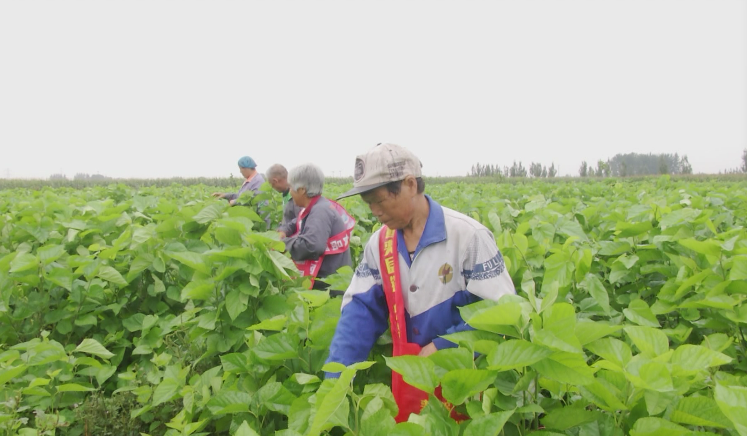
(361, 190)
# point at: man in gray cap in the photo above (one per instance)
(425, 263)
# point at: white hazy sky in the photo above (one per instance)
(184, 88)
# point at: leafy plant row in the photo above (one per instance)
(160, 311)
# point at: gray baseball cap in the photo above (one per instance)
(382, 164)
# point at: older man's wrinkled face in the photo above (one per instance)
(393, 210)
(299, 197)
(276, 184)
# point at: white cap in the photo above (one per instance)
(382, 164)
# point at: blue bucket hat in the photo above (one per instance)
(247, 162)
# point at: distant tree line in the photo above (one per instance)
(515, 170)
(80, 176)
(742, 168)
(636, 164)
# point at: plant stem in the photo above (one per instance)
(536, 401)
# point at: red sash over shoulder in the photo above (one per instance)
(409, 398)
(335, 245)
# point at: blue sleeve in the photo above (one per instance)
(363, 320)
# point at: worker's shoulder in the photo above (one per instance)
(454, 220)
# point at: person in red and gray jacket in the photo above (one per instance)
(320, 244)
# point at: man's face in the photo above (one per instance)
(395, 211)
(276, 184)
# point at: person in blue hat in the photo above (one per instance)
(254, 180)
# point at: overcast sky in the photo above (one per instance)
(184, 88)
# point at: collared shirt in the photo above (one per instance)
(455, 263)
(286, 197)
(251, 184)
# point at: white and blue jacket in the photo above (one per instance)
(456, 263)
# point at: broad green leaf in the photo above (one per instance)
(710, 247)
(657, 427)
(209, 213)
(8, 374)
(614, 350)
(314, 298)
(568, 417)
(657, 401)
(516, 354)
(613, 248)
(24, 262)
(678, 217)
(112, 275)
(460, 384)
(738, 269)
(234, 362)
(377, 420)
(649, 341)
(50, 253)
(699, 411)
(39, 382)
(656, 377)
(559, 329)
(193, 260)
(276, 323)
(92, 346)
(603, 394)
(475, 339)
(331, 402)
(566, 368)
(488, 425)
(198, 290)
(134, 323)
(639, 313)
(282, 263)
(732, 400)
(570, 228)
(697, 357)
(277, 347)
(589, 331)
(416, 371)
(73, 387)
(690, 282)
(245, 430)
(558, 272)
(450, 359)
(628, 230)
(165, 391)
(236, 303)
(301, 413)
(228, 236)
(158, 285)
(583, 260)
(495, 222)
(493, 318)
(149, 321)
(596, 289)
(227, 401)
(276, 397)
(35, 391)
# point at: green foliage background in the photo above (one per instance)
(159, 310)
